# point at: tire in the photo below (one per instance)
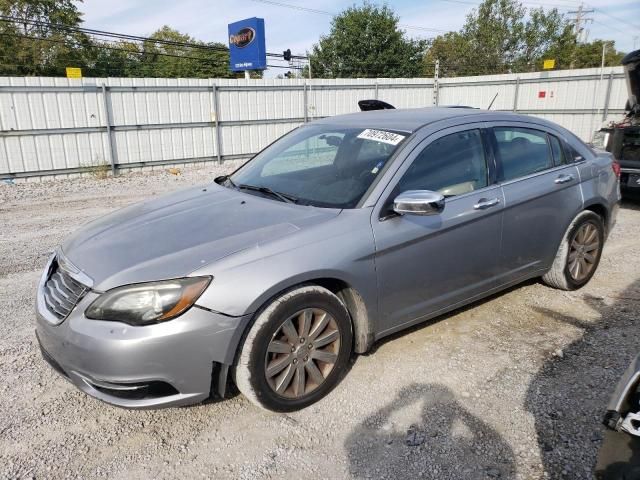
(269, 344)
(562, 274)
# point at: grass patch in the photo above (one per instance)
(99, 169)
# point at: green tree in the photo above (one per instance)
(454, 52)
(501, 36)
(166, 60)
(495, 34)
(590, 54)
(106, 59)
(29, 48)
(32, 46)
(365, 41)
(547, 34)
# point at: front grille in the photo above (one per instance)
(62, 292)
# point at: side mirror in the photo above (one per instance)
(419, 202)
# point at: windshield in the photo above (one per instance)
(320, 165)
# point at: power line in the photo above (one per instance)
(103, 33)
(331, 14)
(122, 36)
(536, 4)
(633, 25)
(134, 52)
(562, 7)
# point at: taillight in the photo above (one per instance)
(616, 168)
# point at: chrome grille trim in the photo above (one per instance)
(61, 292)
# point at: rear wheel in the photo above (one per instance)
(579, 253)
(296, 351)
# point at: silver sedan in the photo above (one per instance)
(342, 232)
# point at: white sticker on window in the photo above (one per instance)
(381, 136)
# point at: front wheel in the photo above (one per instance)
(297, 350)
(579, 253)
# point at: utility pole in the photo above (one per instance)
(580, 22)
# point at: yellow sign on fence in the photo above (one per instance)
(74, 72)
(549, 64)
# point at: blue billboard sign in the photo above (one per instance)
(247, 46)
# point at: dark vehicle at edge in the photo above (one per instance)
(622, 138)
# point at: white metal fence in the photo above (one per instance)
(60, 126)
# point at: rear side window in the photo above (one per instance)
(572, 154)
(522, 151)
(452, 165)
(556, 149)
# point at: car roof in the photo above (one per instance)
(411, 119)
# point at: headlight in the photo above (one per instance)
(145, 303)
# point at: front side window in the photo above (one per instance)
(452, 165)
(522, 152)
(320, 165)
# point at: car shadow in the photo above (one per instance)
(424, 432)
(569, 394)
(630, 202)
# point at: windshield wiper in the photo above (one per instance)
(284, 197)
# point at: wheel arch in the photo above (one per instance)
(360, 320)
(363, 332)
(594, 206)
(601, 210)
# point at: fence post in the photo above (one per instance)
(436, 75)
(216, 120)
(376, 89)
(306, 102)
(607, 97)
(107, 119)
(515, 95)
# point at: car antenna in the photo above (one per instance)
(494, 99)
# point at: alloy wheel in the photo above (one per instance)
(583, 251)
(302, 353)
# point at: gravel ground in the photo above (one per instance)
(511, 387)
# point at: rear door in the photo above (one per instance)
(426, 264)
(541, 191)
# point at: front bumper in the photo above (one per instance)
(167, 364)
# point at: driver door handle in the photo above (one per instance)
(563, 178)
(484, 203)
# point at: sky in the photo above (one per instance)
(298, 30)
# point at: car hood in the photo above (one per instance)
(631, 63)
(173, 235)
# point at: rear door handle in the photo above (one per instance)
(484, 203)
(563, 178)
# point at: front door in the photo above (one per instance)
(426, 264)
